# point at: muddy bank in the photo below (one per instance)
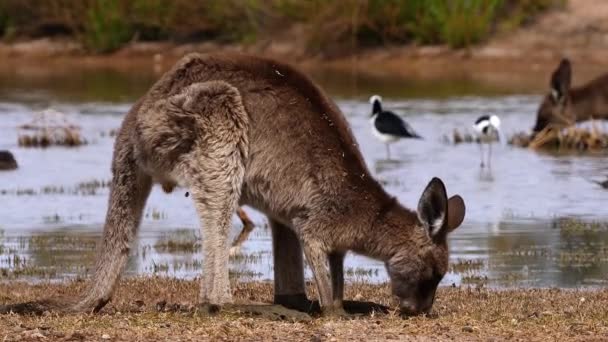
(521, 59)
(459, 313)
(524, 69)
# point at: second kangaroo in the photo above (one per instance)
(237, 129)
(564, 105)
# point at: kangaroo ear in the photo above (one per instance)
(560, 81)
(456, 211)
(433, 207)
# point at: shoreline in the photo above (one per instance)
(484, 64)
(523, 56)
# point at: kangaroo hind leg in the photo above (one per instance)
(213, 170)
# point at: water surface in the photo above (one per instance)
(518, 229)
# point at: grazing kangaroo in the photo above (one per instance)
(564, 105)
(237, 129)
(244, 234)
(248, 225)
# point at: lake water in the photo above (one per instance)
(526, 221)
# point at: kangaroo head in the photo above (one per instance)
(416, 270)
(553, 109)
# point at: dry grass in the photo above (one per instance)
(459, 314)
(50, 128)
(571, 138)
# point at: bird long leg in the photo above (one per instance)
(388, 152)
(490, 155)
(481, 153)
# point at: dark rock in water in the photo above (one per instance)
(7, 161)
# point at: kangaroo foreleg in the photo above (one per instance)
(336, 267)
(289, 287)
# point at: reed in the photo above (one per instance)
(328, 26)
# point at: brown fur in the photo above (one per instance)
(169, 186)
(564, 105)
(241, 129)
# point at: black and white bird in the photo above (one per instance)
(603, 184)
(387, 126)
(487, 128)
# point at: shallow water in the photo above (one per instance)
(516, 231)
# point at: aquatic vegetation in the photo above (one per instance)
(155, 214)
(160, 268)
(178, 241)
(514, 278)
(361, 272)
(14, 265)
(584, 257)
(88, 188)
(466, 266)
(251, 258)
(50, 128)
(52, 219)
(473, 279)
(111, 133)
(177, 246)
(573, 226)
(91, 187)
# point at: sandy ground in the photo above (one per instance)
(138, 312)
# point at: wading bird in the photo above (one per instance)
(387, 126)
(487, 128)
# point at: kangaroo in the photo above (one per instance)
(239, 129)
(564, 105)
(242, 215)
